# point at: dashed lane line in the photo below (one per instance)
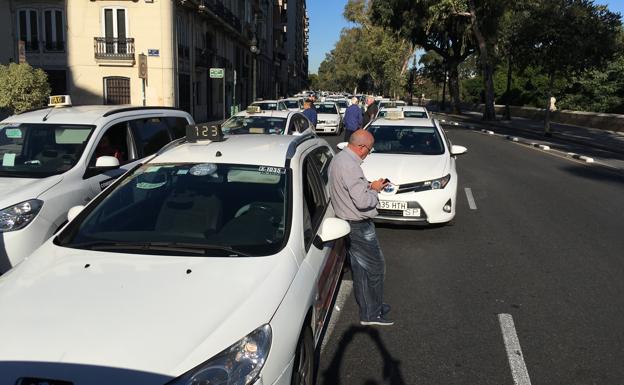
(518, 368)
(471, 202)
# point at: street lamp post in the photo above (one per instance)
(255, 51)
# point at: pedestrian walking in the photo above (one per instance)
(352, 118)
(371, 110)
(309, 111)
(355, 200)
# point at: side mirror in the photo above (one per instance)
(342, 145)
(102, 164)
(73, 212)
(333, 228)
(107, 161)
(458, 150)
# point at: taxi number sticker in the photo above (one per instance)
(272, 170)
(13, 133)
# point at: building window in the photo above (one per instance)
(54, 30)
(116, 90)
(183, 37)
(28, 27)
(115, 30)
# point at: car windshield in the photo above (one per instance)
(407, 140)
(35, 150)
(254, 124)
(292, 103)
(266, 106)
(342, 104)
(407, 114)
(326, 108)
(203, 209)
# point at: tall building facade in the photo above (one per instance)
(160, 52)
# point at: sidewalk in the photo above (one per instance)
(586, 136)
(587, 141)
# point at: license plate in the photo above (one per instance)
(411, 213)
(392, 205)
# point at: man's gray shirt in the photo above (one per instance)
(351, 196)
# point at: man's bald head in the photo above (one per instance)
(361, 137)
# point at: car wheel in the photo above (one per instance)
(303, 367)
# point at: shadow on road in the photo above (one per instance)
(596, 173)
(391, 367)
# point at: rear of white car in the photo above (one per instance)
(329, 119)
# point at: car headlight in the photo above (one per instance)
(240, 364)
(439, 183)
(19, 216)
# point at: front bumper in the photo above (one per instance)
(430, 203)
(323, 127)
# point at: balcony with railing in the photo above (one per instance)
(114, 50)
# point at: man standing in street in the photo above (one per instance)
(309, 111)
(371, 110)
(355, 200)
(352, 119)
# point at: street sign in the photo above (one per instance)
(153, 52)
(217, 73)
(142, 66)
(21, 52)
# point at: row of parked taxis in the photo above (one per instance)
(213, 259)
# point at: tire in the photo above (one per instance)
(304, 366)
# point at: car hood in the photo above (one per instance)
(131, 313)
(16, 190)
(400, 168)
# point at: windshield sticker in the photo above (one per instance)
(152, 169)
(182, 172)
(203, 169)
(149, 186)
(13, 133)
(272, 170)
(8, 160)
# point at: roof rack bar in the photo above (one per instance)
(138, 108)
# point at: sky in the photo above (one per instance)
(326, 22)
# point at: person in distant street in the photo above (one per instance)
(371, 110)
(309, 111)
(355, 199)
(352, 119)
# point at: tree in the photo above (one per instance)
(564, 38)
(23, 87)
(434, 25)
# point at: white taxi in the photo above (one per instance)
(418, 159)
(216, 262)
(57, 157)
(255, 120)
(328, 118)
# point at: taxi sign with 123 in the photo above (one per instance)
(195, 132)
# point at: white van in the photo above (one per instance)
(61, 156)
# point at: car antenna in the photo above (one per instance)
(45, 118)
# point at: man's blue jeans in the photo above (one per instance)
(368, 267)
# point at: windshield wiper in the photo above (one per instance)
(190, 248)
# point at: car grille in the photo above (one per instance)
(413, 187)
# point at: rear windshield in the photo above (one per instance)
(407, 114)
(326, 108)
(254, 124)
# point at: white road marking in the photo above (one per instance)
(514, 352)
(471, 201)
(345, 290)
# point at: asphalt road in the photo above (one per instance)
(544, 247)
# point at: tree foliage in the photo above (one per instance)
(22, 87)
(366, 57)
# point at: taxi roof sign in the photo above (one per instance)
(254, 109)
(59, 101)
(196, 132)
(395, 115)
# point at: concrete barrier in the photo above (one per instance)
(611, 122)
